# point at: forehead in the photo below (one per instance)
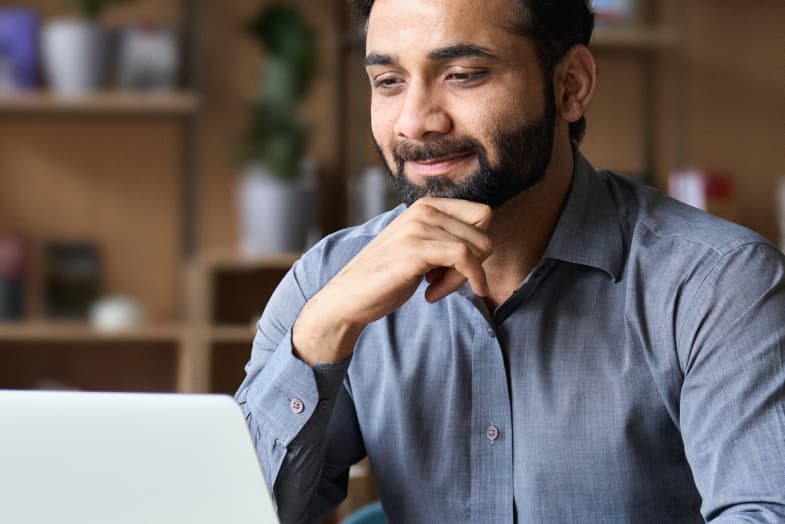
(407, 25)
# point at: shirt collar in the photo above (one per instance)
(589, 230)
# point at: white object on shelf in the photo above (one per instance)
(75, 55)
(115, 313)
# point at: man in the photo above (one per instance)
(526, 339)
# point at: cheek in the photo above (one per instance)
(382, 120)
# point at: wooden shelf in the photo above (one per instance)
(233, 262)
(633, 39)
(232, 334)
(100, 103)
(79, 332)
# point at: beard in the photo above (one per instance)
(524, 154)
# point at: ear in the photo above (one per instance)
(575, 78)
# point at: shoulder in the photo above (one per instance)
(657, 224)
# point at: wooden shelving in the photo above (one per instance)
(80, 332)
(100, 103)
(226, 261)
(231, 334)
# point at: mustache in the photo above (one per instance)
(405, 151)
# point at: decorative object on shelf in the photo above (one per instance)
(277, 192)
(72, 279)
(371, 194)
(709, 190)
(18, 49)
(77, 51)
(148, 58)
(612, 13)
(115, 313)
(12, 275)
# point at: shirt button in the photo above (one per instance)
(323, 404)
(538, 273)
(491, 332)
(296, 405)
(463, 293)
(492, 433)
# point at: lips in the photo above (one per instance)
(438, 166)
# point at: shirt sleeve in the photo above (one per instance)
(732, 406)
(296, 413)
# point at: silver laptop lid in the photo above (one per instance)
(72, 457)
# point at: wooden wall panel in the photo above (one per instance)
(736, 99)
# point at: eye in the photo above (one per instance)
(467, 77)
(387, 83)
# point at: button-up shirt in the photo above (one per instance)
(636, 375)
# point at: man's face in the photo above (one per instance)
(459, 107)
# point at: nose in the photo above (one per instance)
(422, 114)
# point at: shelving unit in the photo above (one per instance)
(149, 357)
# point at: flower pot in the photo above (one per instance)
(275, 214)
(75, 56)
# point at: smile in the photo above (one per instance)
(438, 166)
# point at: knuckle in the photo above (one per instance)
(486, 245)
(485, 213)
(462, 252)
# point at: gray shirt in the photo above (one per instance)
(637, 375)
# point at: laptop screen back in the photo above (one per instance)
(72, 457)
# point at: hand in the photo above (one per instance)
(442, 240)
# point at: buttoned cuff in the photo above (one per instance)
(288, 393)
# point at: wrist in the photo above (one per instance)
(321, 337)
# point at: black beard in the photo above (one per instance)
(524, 155)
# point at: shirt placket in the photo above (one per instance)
(491, 440)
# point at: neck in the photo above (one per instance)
(522, 227)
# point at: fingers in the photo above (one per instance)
(449, 281)
(461, 264)
(478, 215)
(424, 217)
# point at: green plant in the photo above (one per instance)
(275, 136)
(92, 8)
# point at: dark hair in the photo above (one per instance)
(554, 25)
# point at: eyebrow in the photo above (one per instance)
(379, 59)
(450, 52)
(460, 50)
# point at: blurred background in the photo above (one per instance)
(162, 162)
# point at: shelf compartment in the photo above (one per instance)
(106, 365)
(101, 102)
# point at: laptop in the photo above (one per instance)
(117, 458)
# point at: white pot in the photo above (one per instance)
(75, 55)
(275, 214)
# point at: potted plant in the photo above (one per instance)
(76, 50)
(276, 193)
